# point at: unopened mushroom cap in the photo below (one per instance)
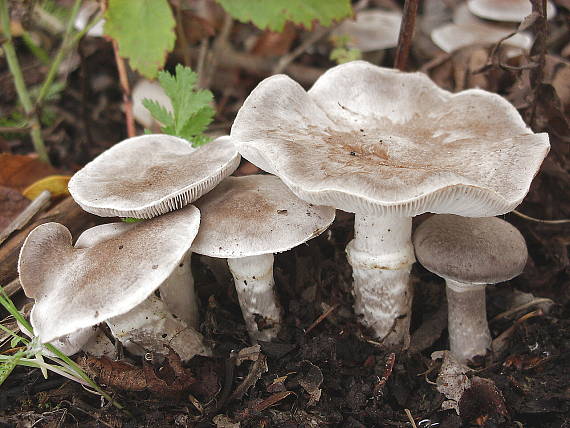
(146, 176)
(378, 141)
(76, 288)
(470, 250)
(254, 215)
(372, 30)
(506, 10)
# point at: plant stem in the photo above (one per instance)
(19, 82)
(61, 53)
(406, 34)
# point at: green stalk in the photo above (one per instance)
(20, 84)
(61, 53)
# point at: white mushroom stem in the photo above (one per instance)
(150, 326)
(255, 287)
(178, 293)
(469, 334)
(381, 255)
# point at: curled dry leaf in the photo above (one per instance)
(18, 171)
(481, 401)
(452, 380)
(172, 379)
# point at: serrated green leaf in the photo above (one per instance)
(7, 368)
(273, 14)
(144, 30)
(191, 108)
(158, 112)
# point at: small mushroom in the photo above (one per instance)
(110, 276)
(246, 220)
(469, 253)
(372, 30)
(506, 10)
(387, 146)
(86, 12)
(146, 89)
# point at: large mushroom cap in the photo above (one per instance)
(377, 141)
(506, 10)
(76, 288)
(470, 250)
(372, 30)
(146, 176)
(254, 215)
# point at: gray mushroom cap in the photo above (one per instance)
(255, 215)
(75, 288)
(149, 175)
(470, 250)
(373, 29)
(376, 141)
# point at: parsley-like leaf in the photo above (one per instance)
(191, 108)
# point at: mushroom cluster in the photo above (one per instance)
(380, 143)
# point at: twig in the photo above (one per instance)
(127, 101)
(219, 48)
(13, 287)
(25, 216)
(406, 34)
(521, 307)
(20, 84)
(537, 220)
(201, 64)
(321, 318)
(537, 74)
(410, 418)
(186, 58)
(314, 37)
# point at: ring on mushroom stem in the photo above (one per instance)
(387, 146)
(469, 253)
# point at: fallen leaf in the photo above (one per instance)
(12, 203)
(55, 184)
(482, 401)
(452, 380)
(19, 171)
(311, 378)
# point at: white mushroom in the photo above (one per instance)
(389, 145)
(86, 12)
(469, 253)
(146, 89)
(108, 275)
(146, 176)
(506, 10)
(373, 29)
(246, 220)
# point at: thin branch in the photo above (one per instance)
(127, 101)
(406, 34)
(20, 84)
(538, 220)
(537, 73)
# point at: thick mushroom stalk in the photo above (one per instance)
(381, 256)
(468, 335)
(255, 288)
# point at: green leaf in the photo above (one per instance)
(7, 368)
(192, 111)
(273, 14)
(144, 30)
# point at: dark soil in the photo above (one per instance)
(332, 374)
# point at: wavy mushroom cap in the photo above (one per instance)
(470, 250)
(506, 10)
(146, 176)
(372, 30)
(450, 37)
(378, 141)
(254, 215)
(75, 288)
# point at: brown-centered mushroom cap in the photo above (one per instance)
(254, 215)
(470, 250)
(377, 141)
(149, 175)
(506, 10)
(76, 288)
